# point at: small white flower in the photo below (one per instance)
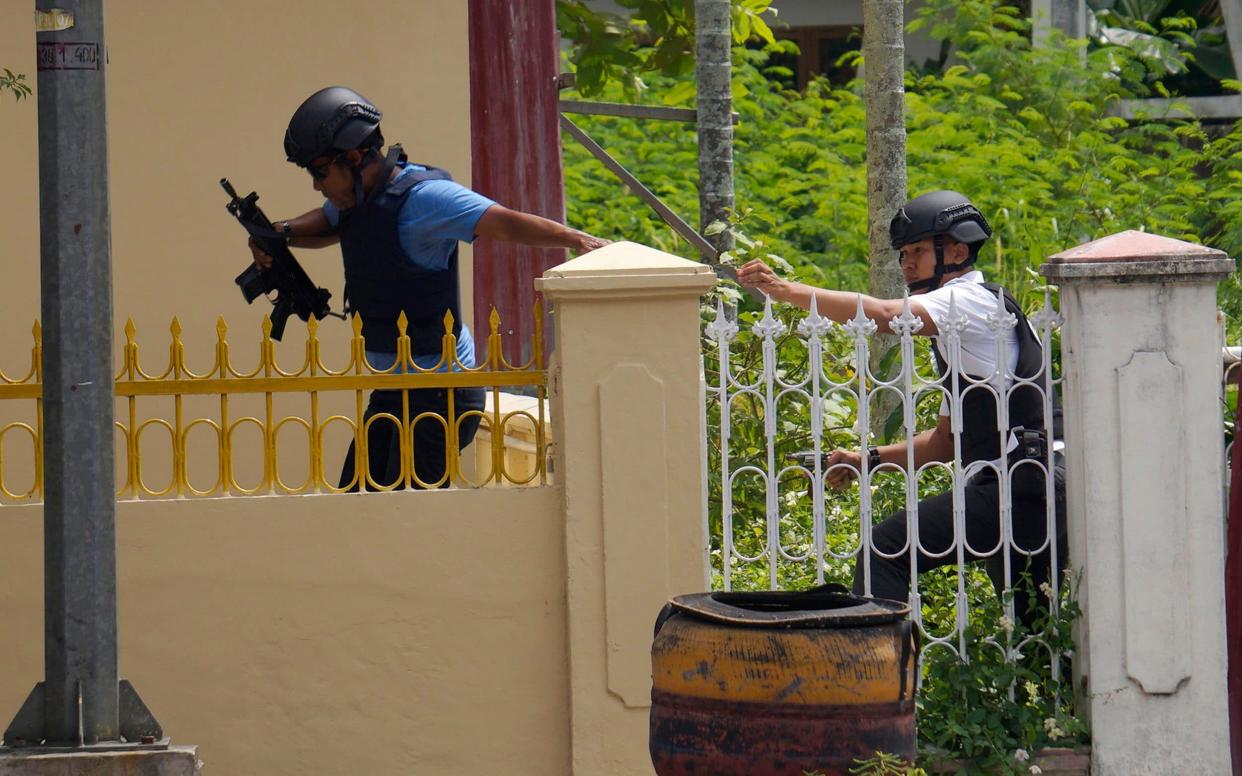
(1046, 588)
(1052, 729)
(1035, 769)
(1006, 624)
(1021, 755)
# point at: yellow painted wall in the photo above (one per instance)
(400, 633)
(203, 90)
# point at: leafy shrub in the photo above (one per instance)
(1001, 706)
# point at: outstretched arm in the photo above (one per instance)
(839, 306)
(501, 223)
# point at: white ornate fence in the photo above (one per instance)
(792, 383)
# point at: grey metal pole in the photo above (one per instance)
(80, 701)
(79, 534)
(713, 43)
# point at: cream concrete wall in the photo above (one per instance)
(203, 90)
(429, 632)
(400, 633)
(630, 451)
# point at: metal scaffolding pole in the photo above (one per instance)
(80, 702)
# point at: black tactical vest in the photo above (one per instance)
(380, 280)
(981, 440)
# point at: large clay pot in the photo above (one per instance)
(780, 684)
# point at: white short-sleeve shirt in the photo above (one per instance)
(978, 342)
(974, 303)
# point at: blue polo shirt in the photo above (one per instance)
(436, 216)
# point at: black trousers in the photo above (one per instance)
(429, 438)
(890, 577)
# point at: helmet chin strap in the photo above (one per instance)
(355, 170)
(942, 269)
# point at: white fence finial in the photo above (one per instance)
(1047, 318)
(954, 321)
(768, 326)
(860, 327)
(1001, 319)
(721, 329)
(907, 323)
(814, 325)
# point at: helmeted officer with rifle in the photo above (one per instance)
(398, 225)
(939, 235)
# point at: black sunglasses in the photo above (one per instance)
(321, 171)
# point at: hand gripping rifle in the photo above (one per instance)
(295, 293)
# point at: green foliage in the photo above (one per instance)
(882, 764)
(1000, 705)
(885, 764)
(656, 37)
(15, 83)
(1026, 133)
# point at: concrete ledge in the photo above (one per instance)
(625, 270)
(1225, 106)
(1180, 270)
(1051, 762)
(174, 761)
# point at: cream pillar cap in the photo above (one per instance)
(626, 269)
(1131, 255)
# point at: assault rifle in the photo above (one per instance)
(295, 293)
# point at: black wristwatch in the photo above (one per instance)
(873, 458)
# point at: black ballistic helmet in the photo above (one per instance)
(331, 119)
(936, 214)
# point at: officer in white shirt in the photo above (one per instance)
(939, 235)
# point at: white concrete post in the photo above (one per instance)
(627, 415)
(1141, 357)
(1068, 16)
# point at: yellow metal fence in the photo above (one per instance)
(311, 379)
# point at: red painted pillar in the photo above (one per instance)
(516, 145)
(1233, 599)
